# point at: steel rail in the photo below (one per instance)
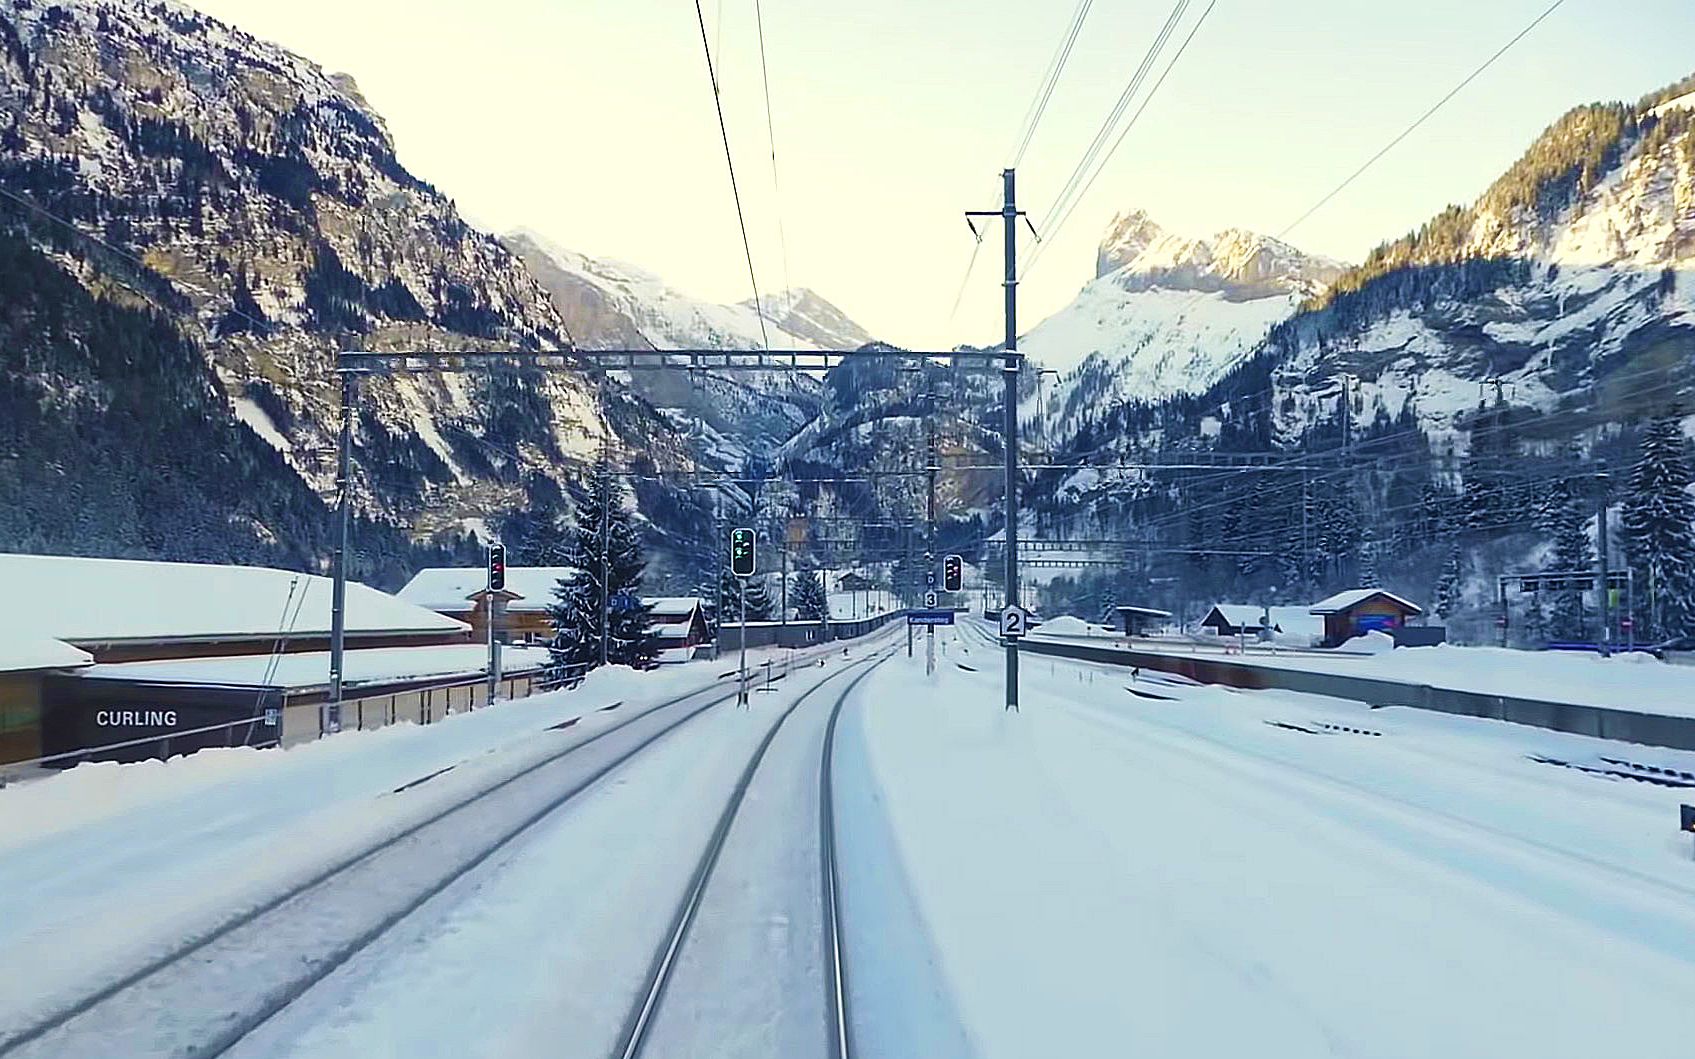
(309, 976)
(640, 1020)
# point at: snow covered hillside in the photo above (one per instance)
(610, 304)
(1575, 270)
(254, 202)
(1167, 314)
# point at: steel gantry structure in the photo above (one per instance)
(354, 365)
(351, 365)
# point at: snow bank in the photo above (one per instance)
(1371, 643)
(1069, 625)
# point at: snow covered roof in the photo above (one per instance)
(1354, 596)
(673, 606)
(20, 654)
(1146, 612)
(1243, 615)
(1293, 620)
(312, 669)
(448, 589)
(675, 630)
(95, 601)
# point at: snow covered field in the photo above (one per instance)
(1637, 682)
(106, 866)
(1107, 874)
(1169, 870)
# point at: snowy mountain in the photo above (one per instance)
(254, 202)
(609, 304)
(1569, 280)
(1166, 314)
(807, 316)
(1474, 371)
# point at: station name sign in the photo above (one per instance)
(929, 617)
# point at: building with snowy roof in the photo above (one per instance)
(1295, 625)
(679, 626)
(177, 705)
(461, 592)
(1358, 611)
(122, 610)
(95, 616)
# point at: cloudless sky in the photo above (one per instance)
(591, 121)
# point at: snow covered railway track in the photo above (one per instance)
(202, 997)
(639, 1024)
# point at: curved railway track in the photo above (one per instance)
(638, 1025)
(180, 1002)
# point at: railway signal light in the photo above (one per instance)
(741, 551)
(496, 567)
(953, 573)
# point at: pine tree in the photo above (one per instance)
(1368, 562)
(1448, 586)
(1572, 554)
(811, 602)
(575, 647)
(1109, 605)
(758, 599)
(730, 587)
(1659, 529)
(603, 544)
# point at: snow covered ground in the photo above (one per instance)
(1105, 874)
(1636, 682)
(1159, 869)
(106, 866)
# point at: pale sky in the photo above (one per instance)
(591, 121)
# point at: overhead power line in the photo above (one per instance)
(1330, 195)
(1055, 224)
(730, 163)
(771, 138)
(1050, 79)
(1421, 119)
(1093, 150)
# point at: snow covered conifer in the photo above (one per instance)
(758, 599)
(1448, 585)
(1659, 528)
(811, 602)
(1573, 553)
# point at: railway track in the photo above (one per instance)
(638, 1025)
(200, 998)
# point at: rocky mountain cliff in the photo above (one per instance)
(1166, 314)
(1485, 361)
(610, 304)
(251, 203)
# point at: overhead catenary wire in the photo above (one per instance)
(1093, 150)
(1347, 181)
(1050, 80)
(1056, 223)
(771, 138)
(730, 164)
(1027, 128)
(1421, 119)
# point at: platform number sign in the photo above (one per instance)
(496, 567)
(741, 551)
(953, 573)
(1013, 621)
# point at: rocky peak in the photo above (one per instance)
(1126, 238)
(1139, 255)
(806, 314)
